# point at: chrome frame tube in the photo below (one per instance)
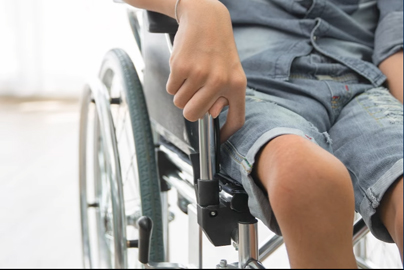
(270, 246)
(247, 243)
(183, 188)
(207, 153)
(362, 231)
(185, 167)
(164, 217)
(194, 239)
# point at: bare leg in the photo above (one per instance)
(391, 213)
(311, 194)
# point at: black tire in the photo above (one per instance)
(117, 66)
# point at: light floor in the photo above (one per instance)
(39, 203)
(38, 184)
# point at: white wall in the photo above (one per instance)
(51, 47)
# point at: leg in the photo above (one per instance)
(391, 213)
(311, 195)
(368, 139)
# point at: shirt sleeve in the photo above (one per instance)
(389, 32)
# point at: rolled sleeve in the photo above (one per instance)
(389, 32)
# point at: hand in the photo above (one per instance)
(206, 73)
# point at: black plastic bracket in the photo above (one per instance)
(208, 192)
(218, 218)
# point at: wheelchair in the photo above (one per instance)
(135, 146)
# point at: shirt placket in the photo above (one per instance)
(320, 28)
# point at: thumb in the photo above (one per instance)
(235, 120)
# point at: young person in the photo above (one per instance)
(310, 129)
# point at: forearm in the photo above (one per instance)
(206, 73)
(162, 6)
(185, 8)
(392, 67)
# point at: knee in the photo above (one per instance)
(296, 172)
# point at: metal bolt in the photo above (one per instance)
(213, 213)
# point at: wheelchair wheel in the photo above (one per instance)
(114, 197)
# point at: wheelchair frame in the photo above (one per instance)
(209, 200)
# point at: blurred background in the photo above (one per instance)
(48, 50)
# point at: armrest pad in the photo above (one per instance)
(160, 23)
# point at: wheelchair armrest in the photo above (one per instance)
(160, 23)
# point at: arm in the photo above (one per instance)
(165, 7)
(206, 73)
(388, 52)
(392, 67)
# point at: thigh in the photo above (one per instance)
(265, 120)
(368, 138)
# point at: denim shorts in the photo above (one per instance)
(334, 108)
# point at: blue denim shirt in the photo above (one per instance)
(359, 34)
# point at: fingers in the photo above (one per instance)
(186, 92)
(176, 79)
(200, 104)
(235, 119)
(218, 106)
(196, 99)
